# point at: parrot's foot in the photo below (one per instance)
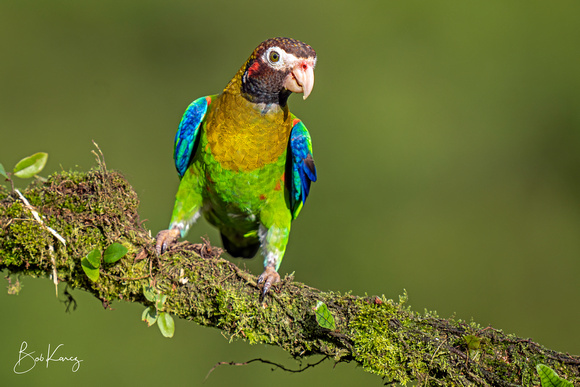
(165, 238)
(269, 277)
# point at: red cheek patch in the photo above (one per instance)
(253, 68)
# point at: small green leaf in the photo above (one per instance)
(473, 342)
(31, 165)
(114, 252)
(92, 273)
(166, 324)
(323, 316)
(160, 301)
(91, 264)
(474, 345)
(550, 378)
(94, 257)
(3, 171)
(149, 293)
(149, 316)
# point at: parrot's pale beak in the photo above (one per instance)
(301, 78)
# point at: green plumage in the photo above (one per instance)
(235, 201)
(234, 152)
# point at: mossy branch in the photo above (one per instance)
(94, 209)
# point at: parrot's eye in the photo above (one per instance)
(274, 56)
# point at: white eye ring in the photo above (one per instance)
(276, 57)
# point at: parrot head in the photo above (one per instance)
(277, 68)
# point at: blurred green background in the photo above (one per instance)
(446, 136)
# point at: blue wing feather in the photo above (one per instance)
(302, 168)
(187, 133)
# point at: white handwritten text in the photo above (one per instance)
(27, 360)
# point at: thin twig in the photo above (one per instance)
(100, 157)
(54, 274)
(38, 219)
(310, 365)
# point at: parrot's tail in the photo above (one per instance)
(247, 250)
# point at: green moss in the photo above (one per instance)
(376, 346)
(94, 209)
(24, 239)
(389, 342)
(89, 210)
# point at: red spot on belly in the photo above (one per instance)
(280, 182)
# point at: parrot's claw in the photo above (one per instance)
(269, 277)
(165, 238)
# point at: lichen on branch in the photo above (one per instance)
(91, 210)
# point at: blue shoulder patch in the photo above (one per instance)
(186, 138)
(302, 168)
